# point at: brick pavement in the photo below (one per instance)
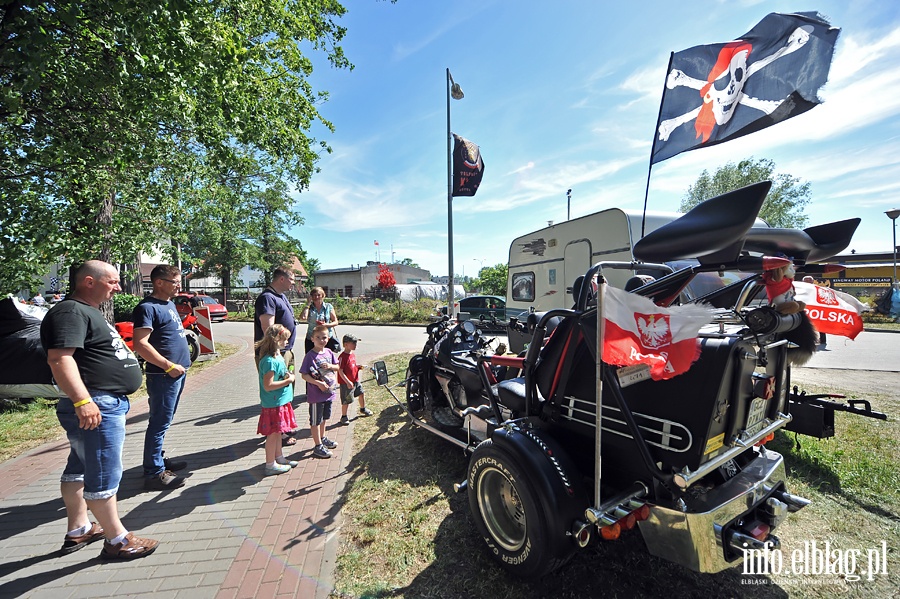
(229, 532)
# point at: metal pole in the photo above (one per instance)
(601, 332)
(569, 205)
(893, 214)
(451, 298)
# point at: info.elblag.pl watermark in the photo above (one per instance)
(830, 565)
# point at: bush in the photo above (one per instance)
(123, 306)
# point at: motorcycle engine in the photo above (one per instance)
(453, 391)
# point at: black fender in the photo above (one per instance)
(564, 497)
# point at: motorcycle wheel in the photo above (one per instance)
(193, 344)
(506, 506)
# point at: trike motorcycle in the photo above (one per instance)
(553, 470)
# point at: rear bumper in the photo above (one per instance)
(694, 538)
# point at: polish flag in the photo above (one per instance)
(831, 311)
(640, 332)
(376, 242)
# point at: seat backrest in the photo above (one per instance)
(548, 369)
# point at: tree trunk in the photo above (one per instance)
(104, 219)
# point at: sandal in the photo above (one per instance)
(288, 440)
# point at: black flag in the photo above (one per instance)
(722, 91)
(468, 167)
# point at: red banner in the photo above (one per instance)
(640, 332)
(828, 311)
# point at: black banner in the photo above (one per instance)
(468, 167)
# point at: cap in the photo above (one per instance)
(349, 337)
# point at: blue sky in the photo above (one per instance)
(565, 95)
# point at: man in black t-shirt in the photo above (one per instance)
(95, 369)
(159, 339)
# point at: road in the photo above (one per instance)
(870, 351)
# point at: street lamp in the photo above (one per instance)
(893, 214)
(453, 91)
(569, 205)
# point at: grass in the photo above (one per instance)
(27, 425)
(407, 534)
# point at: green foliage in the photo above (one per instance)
(408, 262)
(784, 206)
(123, 122)
(493, 279)
(123, 306)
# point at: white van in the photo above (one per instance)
(544, 264)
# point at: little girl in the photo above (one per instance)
(275, 395)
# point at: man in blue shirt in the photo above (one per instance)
(273, 307)
(159, 339)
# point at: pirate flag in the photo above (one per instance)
(468, 167)
(722, 91)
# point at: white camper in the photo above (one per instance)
(544, 264)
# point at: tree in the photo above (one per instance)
(386, 280)
(112, 114)
(408, 262)
(784, 206)
(493, 279)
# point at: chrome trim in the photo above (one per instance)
(686, 478)
(664, 434)
(693, 538)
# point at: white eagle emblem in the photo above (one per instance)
(826, 296)
(654, 329)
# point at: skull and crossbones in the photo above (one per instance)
(722, 91)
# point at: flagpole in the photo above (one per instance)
(601, 332)
(451, 298)
(653, 147)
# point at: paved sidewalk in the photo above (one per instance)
(229, 532)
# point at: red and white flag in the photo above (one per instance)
(640, 332)
(830, 311)
(376, 242)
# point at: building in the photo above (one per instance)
(863, 275)
(354, 281)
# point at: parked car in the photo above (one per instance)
(185, 303)
(481, 307)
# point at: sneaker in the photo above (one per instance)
(173, 465)
(163, 481)
(328, 443)
(71, 544)
(277, 468)
(365, 412)
(345, 420)
(131, 548)
(286, 462)
(321, 452)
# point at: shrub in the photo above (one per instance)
(123, 306)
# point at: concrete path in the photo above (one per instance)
(229, 532)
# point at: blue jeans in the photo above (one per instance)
(95, 456)
(164, 393)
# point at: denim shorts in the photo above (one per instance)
(319, 412)
(95, 456)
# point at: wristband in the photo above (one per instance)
(169, 369)
(82, 403)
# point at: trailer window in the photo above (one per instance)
(523, 287)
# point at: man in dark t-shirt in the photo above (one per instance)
(95, 369)
(273, 307)
(159, 339)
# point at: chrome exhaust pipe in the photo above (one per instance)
(795, 503)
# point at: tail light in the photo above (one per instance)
(611, 532)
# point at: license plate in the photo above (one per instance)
(629, 375)
(756, 419)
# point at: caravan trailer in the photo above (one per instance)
(544, 264)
